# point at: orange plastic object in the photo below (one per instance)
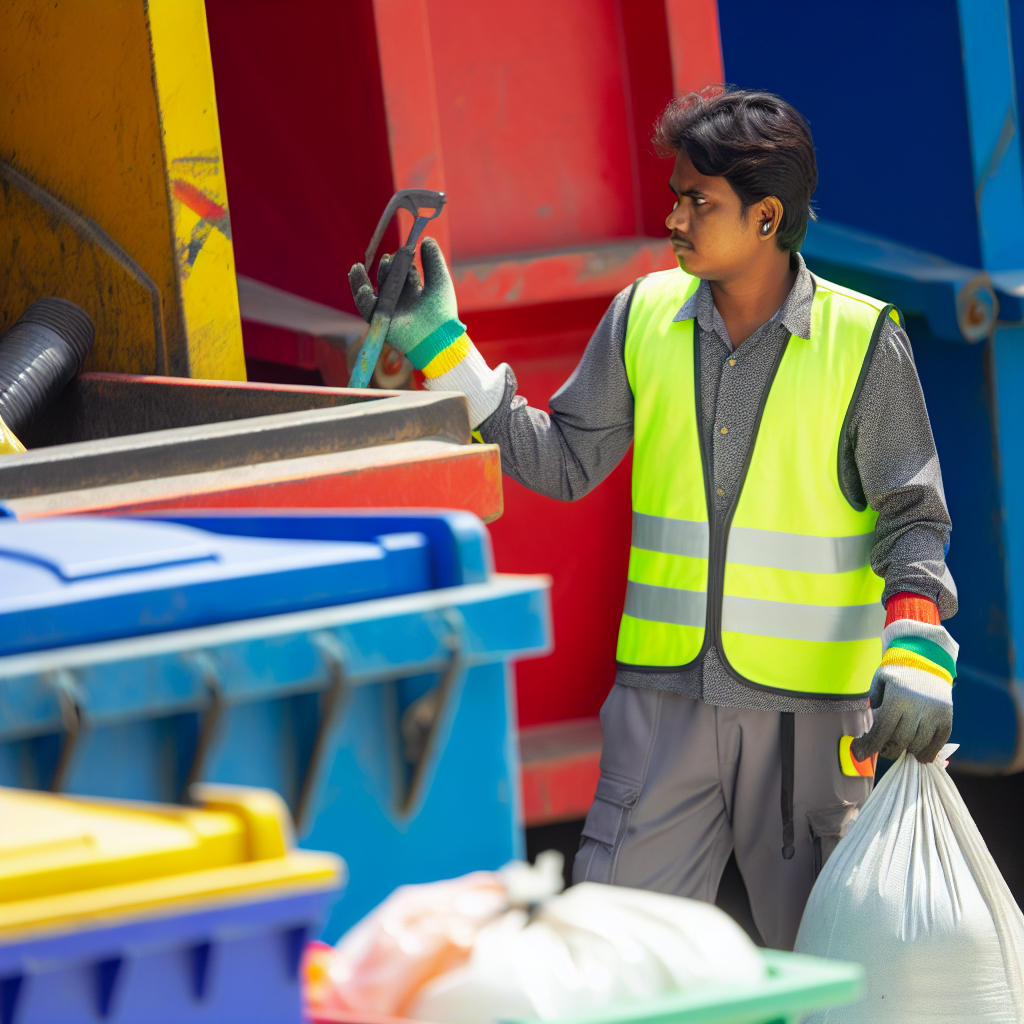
(850, 765)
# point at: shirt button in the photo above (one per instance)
(719, 491)
(732, 362)
(725, 430)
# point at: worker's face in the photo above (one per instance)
(712, 236)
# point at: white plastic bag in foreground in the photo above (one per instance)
(417, 933)
(913, 894)
(590, 948)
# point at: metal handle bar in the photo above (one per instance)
(413, 200)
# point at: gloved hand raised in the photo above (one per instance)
(425, 327)
(911, 693)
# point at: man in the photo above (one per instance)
(787, 507)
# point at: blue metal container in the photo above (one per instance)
(388, 725)
(922, 204)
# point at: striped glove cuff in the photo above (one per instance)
(445, 347)
(921, 652)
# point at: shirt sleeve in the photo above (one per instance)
(889, 462)
(566, 453)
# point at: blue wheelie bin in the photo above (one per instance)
(359, 664)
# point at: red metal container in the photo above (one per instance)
(534, 117)
(118, 442)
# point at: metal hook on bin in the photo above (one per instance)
(72, 717)
(209, 721)
(439, 704)
(332, 703)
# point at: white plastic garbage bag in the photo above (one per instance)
(494, 945)
(913, 894)
(417, 933)
(593, 947)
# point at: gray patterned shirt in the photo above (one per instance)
(888, 458)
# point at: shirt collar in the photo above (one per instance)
(795, 312)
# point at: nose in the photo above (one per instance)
(676, 219)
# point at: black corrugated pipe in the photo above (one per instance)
(38, 356)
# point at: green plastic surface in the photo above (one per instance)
(795, 985)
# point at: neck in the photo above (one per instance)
(750, 299)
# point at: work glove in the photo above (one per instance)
(425, 326)
(911, 693)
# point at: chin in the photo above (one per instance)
(689, 265)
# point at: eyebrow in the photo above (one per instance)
(693, 193)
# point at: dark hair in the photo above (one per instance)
(756, 141)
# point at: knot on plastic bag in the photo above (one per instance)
(529, 885)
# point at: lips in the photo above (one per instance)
(681, 243)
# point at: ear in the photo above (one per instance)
(769, 217)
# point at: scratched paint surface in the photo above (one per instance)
(47, 249)
(548, 277)
(197, 191)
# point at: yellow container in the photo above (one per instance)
(113, 189)
(68, 863)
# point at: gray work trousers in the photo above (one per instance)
(684, 783)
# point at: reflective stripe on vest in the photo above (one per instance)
(788, 590)
(670, 518)
(747, 546)
(820, 623)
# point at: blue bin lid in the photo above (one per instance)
(80, 579)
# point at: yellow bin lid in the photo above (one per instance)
(68, 861)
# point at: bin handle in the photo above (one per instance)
(335, 700)
(209, 721)
(332, 704)
(449, 689)
(72, 717)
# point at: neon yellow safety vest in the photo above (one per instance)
(785, 589)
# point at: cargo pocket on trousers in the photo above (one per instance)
(608, 813)
(827, 827)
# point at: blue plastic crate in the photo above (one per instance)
(144, 913)
(231, 965)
